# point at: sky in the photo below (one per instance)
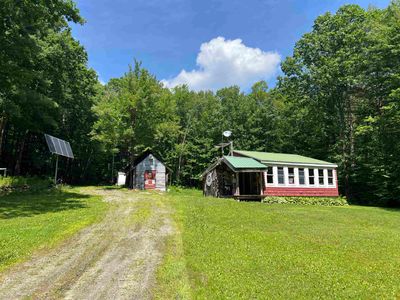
(205, 44)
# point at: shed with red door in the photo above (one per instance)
(147, 172)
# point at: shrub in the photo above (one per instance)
(19, 184)
(325, 201)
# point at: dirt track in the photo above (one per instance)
(114, 259)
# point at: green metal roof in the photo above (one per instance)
(282, 158)
(244, 162)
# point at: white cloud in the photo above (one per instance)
(224, 63)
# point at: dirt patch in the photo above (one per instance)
(114, 259)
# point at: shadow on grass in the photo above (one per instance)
(29, 204)
(111, 187)
(392, 209)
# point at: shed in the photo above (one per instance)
(240, 177)
(147, 172)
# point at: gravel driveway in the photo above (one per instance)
(114, 259)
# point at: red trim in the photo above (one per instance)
(296, 191)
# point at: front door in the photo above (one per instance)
(249, 183)
(150, 180)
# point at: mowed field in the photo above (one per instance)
(32, 221)
(246, 250)
(89, 241)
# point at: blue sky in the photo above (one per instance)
(166, 35)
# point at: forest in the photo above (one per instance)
(337, 99)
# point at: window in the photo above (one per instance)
(281, 176)
(321, 176)
(311, 176)
(301, 176)
(291, 175)
(330, 177)
(270, 175)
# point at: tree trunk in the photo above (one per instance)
(180, 159)
(83, 174)
(17, 169)
(349, 143)
(131, 147)
(178, 173)
(3, 122)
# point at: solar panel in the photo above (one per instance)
(59, 146)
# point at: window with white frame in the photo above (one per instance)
(270, 175)
(321, 176)
(281, 176)
(302, 179)
(311, 180)
(291, 175)
(330, 176)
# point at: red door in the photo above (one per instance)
(149, 180)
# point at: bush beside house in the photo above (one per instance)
(325, 201)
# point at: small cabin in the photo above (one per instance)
(147, 172)
(253, 174)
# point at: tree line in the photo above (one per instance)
(337, 100)
(45, 87)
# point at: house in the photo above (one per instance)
(252, 174)
(147, 172)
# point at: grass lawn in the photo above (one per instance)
(29, 222)
(248, 250)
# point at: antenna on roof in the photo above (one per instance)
(227, 134)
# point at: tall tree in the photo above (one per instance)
(338, 82)
(24, 26)
(45, 86)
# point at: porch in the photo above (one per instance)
(235, 177)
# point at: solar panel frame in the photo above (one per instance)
(59, 146)
(63, 149)
(69, 150)
(50, 143)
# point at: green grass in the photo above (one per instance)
(33, 221)
(172, 278)
(247, 250)
(20, 183)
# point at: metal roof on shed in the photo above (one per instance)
(266, 157)
(244, 162)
